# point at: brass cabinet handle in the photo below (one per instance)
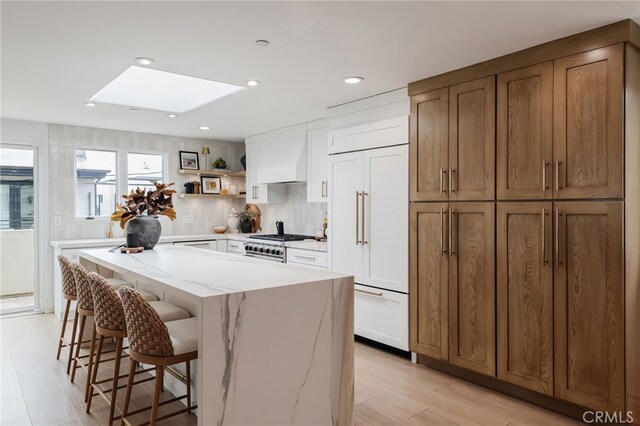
(451, 173)
(370, 293)
(325, 189)
(364, 240)
(544, 233)
(545, 164)
(451, 250)
(558, 163)
(358, 218)
(444, 250)
(443, 173)
(257, 191)
(300, 256)
(557, 238)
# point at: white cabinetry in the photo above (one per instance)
(260, 193)
(317, 156)
(311, 258)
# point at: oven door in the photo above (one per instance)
(278, 259)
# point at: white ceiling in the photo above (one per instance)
(56, 55)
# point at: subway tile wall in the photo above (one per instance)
(299, 216)
(63, 139)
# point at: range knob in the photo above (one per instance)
(261, 250)
(278, 252)
(268, 251)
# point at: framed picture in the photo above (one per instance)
(189, 160)
(210, 185)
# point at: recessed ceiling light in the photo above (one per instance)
(89, 104)
(252, 83)
(144, 61)
(148, 88)
(133, 110)
(353, 79)
(171, 115)
(262, 43)
(205, 128)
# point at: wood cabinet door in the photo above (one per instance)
(525, 295)
(428, 278)
(525, 133)
(472, 286)
(589, 315)
(588, 124)
(472, 143)
(429, 146)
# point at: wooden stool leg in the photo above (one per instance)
(73, 341)
(116, 374)
(83, 320)
(90, 367)
(188, 363)
(94, 373)
(156, 395)
(64, 327)
(127, 395)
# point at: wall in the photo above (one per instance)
(205, 213)
(299, 216)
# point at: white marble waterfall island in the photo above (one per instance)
(276, 341)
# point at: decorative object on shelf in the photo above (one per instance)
(219, 163)
(140, 210)
(196, 187)
(188, 188)
(210, 185)
(189, 160)
(206, 152)
(233, 222)
(246, 218)
(243, 161)
(220, 229)
(258, 216)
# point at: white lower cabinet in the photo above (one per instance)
(206, 245)
(382, 316)
(235, 247)
(317, 259)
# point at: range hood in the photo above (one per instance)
(283, 156)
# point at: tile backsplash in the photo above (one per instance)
(299, 216)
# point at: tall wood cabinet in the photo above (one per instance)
(520, 266)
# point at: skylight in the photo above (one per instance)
(160, 90)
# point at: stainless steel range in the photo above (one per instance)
(270, 246)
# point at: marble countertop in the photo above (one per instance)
(204, 273)
(169, 239)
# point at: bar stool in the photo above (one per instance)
(110, 323)
(69, 294)
(159, 344)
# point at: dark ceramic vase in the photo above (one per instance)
(148, 229)
(245, 226)
(243, 161)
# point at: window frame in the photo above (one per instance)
(121, 173)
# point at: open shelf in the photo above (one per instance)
(238, 196)
(213, 173)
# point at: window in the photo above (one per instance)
(16, 189)
(143, 170)
(97, 184)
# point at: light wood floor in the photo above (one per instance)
(35, 388)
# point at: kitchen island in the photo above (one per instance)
(275, 340)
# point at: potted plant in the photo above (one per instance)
(246, 217)
(139, 213)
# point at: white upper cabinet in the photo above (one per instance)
(317, 156)
(393, 131)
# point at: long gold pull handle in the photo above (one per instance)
(545, 164)
(370, 293)
(451, 173)
(358, 218)
(443, 173)
(452, 212)
(544, 233)
(442, 213)
(324, 189)
(364, 240)
(558, 163)
(557, 238)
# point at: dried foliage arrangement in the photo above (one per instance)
(138, 202)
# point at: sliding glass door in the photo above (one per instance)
(18, 233)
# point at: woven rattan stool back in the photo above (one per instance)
(107, 305)
(85, 299)
(146, 332)
(68, 276)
